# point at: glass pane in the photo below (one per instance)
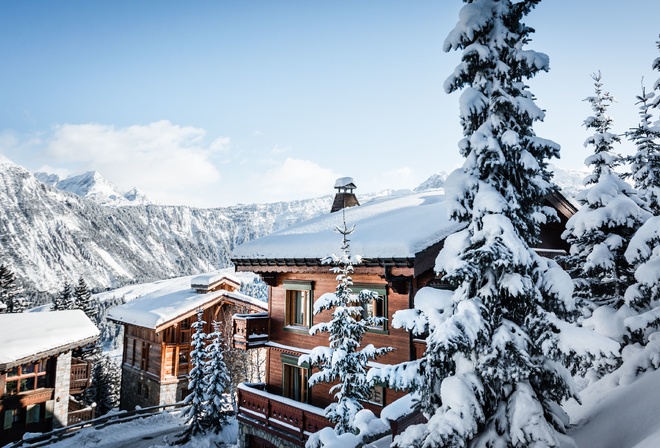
(11, 387)
(32, 414)
(28, 368)
(8, 420)
(13, 372)
(41, 381)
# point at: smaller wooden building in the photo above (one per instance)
(38, 375)
(157, 335)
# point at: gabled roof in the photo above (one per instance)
(173, 303)
(26, 337)
(385, 229)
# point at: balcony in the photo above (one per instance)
(80, 376)
(250, 330)
(79, 412)
(288, 418)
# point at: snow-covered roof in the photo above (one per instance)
(27, 336)
(209, 280)
(397, 227)
(344, 182)
(172, 302)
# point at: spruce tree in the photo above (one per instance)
(486, 378)
(10, 301)
(65, 300)
(643, 251)
(217, 381)
(656, 86)
(195, 411)
(344, 361)
(611, 212)
(84, 302)
(105, 387)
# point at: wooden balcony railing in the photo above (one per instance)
(250, 330)
(79, 412)
(297, 419)
(80, 376)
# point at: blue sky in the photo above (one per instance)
(213, 103)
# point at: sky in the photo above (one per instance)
(214, 103)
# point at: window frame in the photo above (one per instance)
(293, 290)
(381, 289)
(37, 372)
(290, 362)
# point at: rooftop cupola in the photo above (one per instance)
(345, 196)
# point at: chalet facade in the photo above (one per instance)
(38, 374)
(399, 239)
(157, 336)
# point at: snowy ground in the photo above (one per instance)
(618, 417)
(148, 432)
(610, 417)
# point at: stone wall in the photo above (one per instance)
(246, 430)
(62, 384)
(138, 389)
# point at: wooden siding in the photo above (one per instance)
(281, 334)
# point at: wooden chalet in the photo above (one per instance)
(157, 335)
(38, 374)
(399, 239)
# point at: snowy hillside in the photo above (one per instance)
(93, 186)
(50, 236)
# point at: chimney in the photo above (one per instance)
(345, 196)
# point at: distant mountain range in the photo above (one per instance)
(92, 185)
(54, 230)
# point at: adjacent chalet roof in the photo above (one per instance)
(391, 229)
(27, 337)
(172, 303)
(210, 281)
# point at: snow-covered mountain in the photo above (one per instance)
(49, 236)
(570, 181)
(92, 185)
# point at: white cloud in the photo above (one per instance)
(297, 179)
(163, 159)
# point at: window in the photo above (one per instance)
(32, 413)
(144, 359)
(295, 379)
(298, 304)
(375, 307)
(11, 416)
(27, 377)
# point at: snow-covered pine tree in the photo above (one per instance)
(105, 387)
(10, 302)
(65, 299)
(645, 163)
(217, 381)
(195, 410)
(656, 86)
(643, 251)
(611, 212)
(343, 361)
(486, 378)
(84, 302)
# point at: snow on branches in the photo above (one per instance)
(343, 360)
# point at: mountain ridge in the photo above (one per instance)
(51, 235)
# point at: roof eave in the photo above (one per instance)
(48, 353)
